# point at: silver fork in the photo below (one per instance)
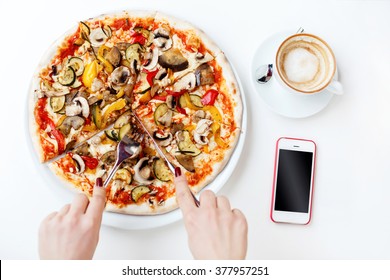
(127, 148)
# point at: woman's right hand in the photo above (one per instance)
(215, 230)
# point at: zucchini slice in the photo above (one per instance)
(67, 76)
(160, 111)
(138, 192)
(185, 144)
(85, 28)
(161, 170)
(107, 30)
(123, 174)
(133, 53)
(142, 86)
(77, 64)
(122, 120)
(76, 84)
(97, 115)
(112, 134)
(124, 130)
(57, 103)
(196, 100)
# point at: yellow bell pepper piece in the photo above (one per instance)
(89, 128)
(214, 112)
(117, 105)
(189, 103)
(107, 65)
(145, 98)
(219, 140)
(120, 93)
(190, 127)
(90, 73)
(214, 127)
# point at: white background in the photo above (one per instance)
(351, 207)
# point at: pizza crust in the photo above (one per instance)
(143, 209)
(189, 28)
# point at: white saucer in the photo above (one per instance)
(275, 95)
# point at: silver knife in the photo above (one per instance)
(162, 155)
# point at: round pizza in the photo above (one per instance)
(170, 74)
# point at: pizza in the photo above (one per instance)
(164, 70)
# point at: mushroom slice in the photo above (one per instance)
(163, 139)
(97, 85)
(161, 74)
(153, 60)
(84, 106)
(108, 158)
(163, 44)
(142, 171)
(201, 131)
(73, 110)
(187, 82)
(173, 59)
(80, 165)
(161, 32)
(204, 75)
(155, 89)
(166, 119)
(200, 139)
(203, 58)
(114, 56)
(119, 77)
(74, 121)
(171, 101)
(203, 127)
(187, 162)
(199, 115)
(98, 37)
(82, 150)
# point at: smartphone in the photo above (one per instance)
(293, 181)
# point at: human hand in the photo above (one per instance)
(215, 231)
(73, 232)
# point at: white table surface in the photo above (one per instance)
(351, 207)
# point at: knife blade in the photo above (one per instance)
(162, 155)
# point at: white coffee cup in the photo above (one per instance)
(305, 64)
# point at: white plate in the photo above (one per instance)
(275, 95)
(131, 222)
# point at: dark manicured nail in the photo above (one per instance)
(177, 171)
(99, 182)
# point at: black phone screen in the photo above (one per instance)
(293, 181)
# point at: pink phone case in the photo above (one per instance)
(273, 181)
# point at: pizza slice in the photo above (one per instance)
(88, 82)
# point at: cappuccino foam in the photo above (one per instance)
(301, 66)
(305, 63)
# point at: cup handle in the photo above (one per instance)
(335, 87)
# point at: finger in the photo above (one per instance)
(79, 204)
(183, 194)
(223, 203)
(238, 213)
(64, 210)
(208, 199)
(49, 217)
(97, 203)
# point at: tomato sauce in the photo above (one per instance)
(70, 47)
(121, 23)
(43, 120)
(200, 174)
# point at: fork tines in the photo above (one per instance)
(137, 134)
